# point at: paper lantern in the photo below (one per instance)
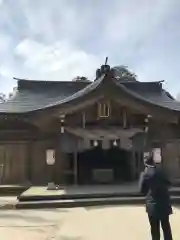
(50, 156)
(157, 155)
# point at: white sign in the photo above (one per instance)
(50, 156)
(157, 155)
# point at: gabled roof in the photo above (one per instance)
(34, 95)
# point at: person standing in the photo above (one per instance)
(154, 184)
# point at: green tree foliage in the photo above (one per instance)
(2, 97)
(82, 78)
(123, 73)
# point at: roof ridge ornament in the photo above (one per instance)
(104, 69)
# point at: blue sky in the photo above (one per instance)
(60, 39)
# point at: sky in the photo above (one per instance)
(62, 39)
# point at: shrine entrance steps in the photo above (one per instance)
(84, 196)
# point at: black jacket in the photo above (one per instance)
(155, 185)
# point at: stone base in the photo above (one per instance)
(52, 186)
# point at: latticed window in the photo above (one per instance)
(104, 109)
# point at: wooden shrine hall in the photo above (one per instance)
(98, 130)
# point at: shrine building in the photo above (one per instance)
(98, 130)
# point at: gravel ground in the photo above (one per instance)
(104, 223)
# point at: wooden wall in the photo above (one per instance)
(25, 162)
(115, 118)
(171, 158)
(39, 168)
(14, 158)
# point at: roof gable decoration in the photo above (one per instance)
(103, 70)
(120, 73)
(104, 109)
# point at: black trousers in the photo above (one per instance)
(155, 228)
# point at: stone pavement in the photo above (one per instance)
(93, 223)
(8, 202)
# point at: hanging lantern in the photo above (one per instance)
(62, 122)
(95, 143)
(50, 156)
(146, 121)
(157, 155)
(115, 143)
(62, 129)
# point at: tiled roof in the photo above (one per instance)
(152, 92)
(33, 95)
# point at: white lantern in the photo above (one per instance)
(62, 120)
(62, 129)
(157, 155)
(95, 143)
(115, 143)
(50, 156)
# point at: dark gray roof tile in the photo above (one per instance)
(34, 95)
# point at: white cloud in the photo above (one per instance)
(5, 41)
(133, 21)
(28, 48)
(59, 61)
(57, 19)
(61, 39)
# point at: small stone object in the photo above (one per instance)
(52, 186)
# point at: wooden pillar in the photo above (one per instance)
(75, 168)
(84, 120)
(133, 165)
(124, 118)
(29, 162)
(138, 164)
(2, 163)
(60, 165)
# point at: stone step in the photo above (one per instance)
(12, 190)
(74, 196)
(70, 203)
